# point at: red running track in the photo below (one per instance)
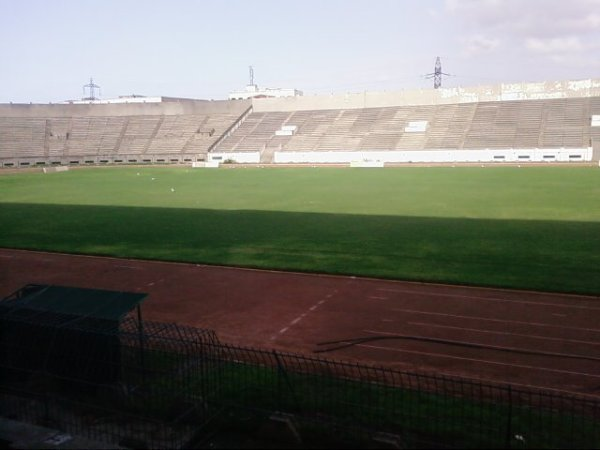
(521, 337)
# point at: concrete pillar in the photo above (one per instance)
(595, 149)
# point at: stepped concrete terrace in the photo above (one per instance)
(524, 124)
(168, 132)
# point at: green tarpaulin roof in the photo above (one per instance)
(92, 303)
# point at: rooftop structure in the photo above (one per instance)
(253, 91)
(62, 303)
(134, 98)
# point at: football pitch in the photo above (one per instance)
(530, 228)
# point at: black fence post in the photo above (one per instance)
(279, 375)
(509, 419)
(141, 341)
(46, 399)
(282, 375)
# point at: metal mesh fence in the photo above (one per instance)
(134, 380)
(359, 403)
(158, 383)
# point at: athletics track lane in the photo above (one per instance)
(488, 328)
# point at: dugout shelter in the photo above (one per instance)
(65, 332)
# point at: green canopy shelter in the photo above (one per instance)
(67, 332)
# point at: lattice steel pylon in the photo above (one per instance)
(251, 73)
(437, 74)
(92, 87)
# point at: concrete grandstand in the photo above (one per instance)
(168, 131)
(529, 122)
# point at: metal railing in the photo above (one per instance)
(359, 402)
(167, 380)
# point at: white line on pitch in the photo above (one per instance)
(491, 299)
(296, 320)
(536, 324)
(283, 330)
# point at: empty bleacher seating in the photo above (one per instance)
(78, 138)
(525, 124)
(495, 125)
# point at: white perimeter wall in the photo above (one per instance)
(485, 155)
(425, 156)
(238, 157)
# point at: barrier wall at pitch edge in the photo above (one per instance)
(439, 156)
(407, 156)
(341, 157)
(236, 157)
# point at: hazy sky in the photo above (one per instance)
(202, 49)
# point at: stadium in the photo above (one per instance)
(528, 122)
(393, 269)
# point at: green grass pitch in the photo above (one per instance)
(532, 228)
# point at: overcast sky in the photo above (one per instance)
(202, 49)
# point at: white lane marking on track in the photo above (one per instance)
(503, 333)
(536, 324)
(302, 316)
(7, 256)
(374, 297)
(491, 299)
(442, 355)
(127, 267)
